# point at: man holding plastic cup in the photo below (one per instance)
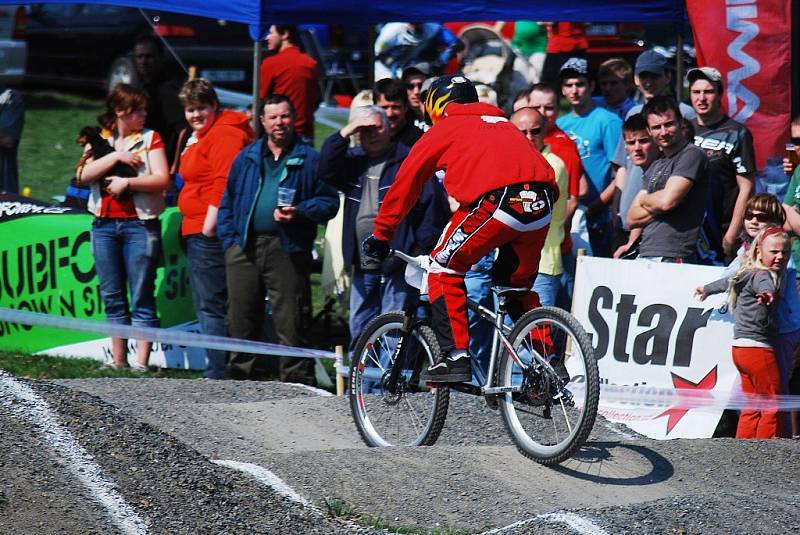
(267, 223)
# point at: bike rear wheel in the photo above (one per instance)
(407, 413)
(553, 412)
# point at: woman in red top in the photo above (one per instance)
(217, 137)
(126, 232)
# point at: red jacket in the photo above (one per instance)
(205, 165)
(479, 149)
(296, 76)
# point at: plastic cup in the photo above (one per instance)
(285, 196)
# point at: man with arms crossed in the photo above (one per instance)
(670, 209)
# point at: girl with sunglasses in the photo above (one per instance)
(765, 210)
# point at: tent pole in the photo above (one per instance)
(679, 68)
(256, 85)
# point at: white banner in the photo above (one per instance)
(649, 331)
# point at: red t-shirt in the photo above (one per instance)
(480, 151)
(123, 208)
(563, 147)
(566, 37)
(295, 75)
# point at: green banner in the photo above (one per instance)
(47, 266)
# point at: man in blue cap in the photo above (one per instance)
(653, 79)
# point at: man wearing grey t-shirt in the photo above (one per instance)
(670, 208)
(364, 174)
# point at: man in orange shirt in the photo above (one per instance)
(290, 72)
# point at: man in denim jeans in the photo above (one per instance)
(267, 222)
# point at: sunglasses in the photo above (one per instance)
(414, 85)
(532, 131)
(761, 217)
(796, 140)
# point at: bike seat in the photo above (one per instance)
(503, 291)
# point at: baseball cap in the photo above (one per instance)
(574, 66)
(651, 61)
(422, 68)
(706, 73)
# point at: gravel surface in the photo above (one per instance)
(174, 488)
(155, 438)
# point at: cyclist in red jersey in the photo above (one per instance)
(504, 190)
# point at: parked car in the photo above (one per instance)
(88, 45)
(614, 40)
(13, 48)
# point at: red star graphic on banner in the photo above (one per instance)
(675, 414)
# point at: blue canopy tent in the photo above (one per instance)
(259, 14)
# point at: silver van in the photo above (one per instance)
(13, 47)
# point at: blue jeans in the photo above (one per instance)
(372, 293)
(478, 281)
(547, 286)
(206, 263)
(126, 254)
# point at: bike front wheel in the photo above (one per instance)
(553, 406)
(396, 409)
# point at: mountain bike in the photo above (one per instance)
(541, 375)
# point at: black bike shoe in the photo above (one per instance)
(449, 371)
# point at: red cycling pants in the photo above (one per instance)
(514, 219)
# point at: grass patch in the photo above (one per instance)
(343, 510)
(47, 151)
(46, 367)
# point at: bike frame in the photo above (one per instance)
(496, 319)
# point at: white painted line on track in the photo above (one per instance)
(318, 391)
(264, 476)
(580, 525)
(23, 401)
(268, 478)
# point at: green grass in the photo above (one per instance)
(47, 151)
(47, 157)
(45, 367)
(346, 511)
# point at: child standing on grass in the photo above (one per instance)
(752, 291)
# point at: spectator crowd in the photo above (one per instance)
(639, 173)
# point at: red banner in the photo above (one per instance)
(749, 42)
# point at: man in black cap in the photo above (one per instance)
(652, 78)
(414, 76)
(729, 147)
(597, 133)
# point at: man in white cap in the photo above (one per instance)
(729, 147)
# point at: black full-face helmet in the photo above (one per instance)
(443, 91)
